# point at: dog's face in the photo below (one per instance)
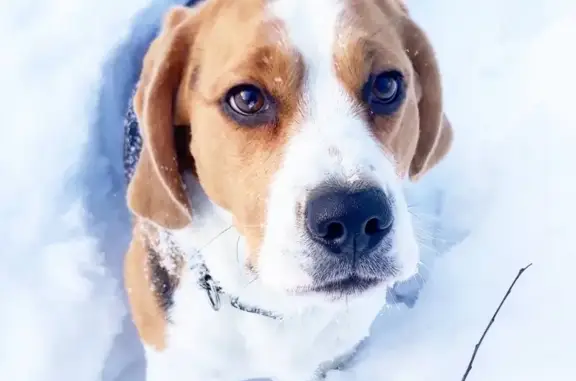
(303, 118)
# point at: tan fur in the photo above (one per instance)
(181, 61)
(198, 56)
(156, 191)
(238, 180)
(381, 36)
(148, 316)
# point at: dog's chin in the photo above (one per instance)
(325, 279)
(351, 286)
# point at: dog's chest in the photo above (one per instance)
(235, 345)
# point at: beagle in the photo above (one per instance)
(268, 204)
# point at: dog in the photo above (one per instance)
(269, 212)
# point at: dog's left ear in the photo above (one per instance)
(435, 131)
(156, 192)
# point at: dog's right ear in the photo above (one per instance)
(156, 191)
(435, 131)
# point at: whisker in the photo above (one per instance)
(394, 301)
(428, 247)
(215, 238)
(424, 265)
(420, 278)
(238, 248)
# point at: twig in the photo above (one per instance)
(492, 321)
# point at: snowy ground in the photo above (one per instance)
(510, 76)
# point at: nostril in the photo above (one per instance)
(372, 226)
(334, 231)
(376, 225)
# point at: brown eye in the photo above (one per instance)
(246, 99)
(249, 105)
(385, 92)
(385, 88)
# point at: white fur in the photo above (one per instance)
(331, 141)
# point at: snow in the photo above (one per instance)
(508, 184)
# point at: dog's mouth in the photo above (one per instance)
(349, 286)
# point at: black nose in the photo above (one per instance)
(351, 223)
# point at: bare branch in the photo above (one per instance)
(492, 321)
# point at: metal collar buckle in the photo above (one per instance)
(212, 291)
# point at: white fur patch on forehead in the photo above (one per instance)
(330, 116)
(310, 24)
(314, 29)
(331, 143)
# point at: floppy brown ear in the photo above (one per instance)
(156, 191)
(435, 132)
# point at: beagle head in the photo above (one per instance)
(300, 119)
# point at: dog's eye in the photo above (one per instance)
(249, 105)
(384, 92)
(246, 99)
(385, 88)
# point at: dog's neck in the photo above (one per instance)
(333, 329)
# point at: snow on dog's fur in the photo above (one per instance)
(234, 189)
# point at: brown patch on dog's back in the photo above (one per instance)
(148, 313)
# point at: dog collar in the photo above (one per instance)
(214, 293)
